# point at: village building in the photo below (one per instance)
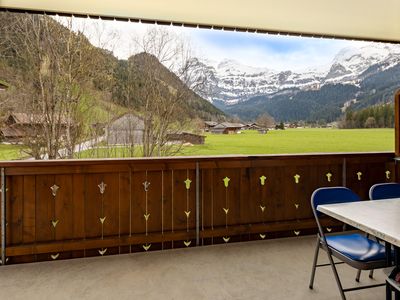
(208, 125)
(186, 137)
(19, 126)
(227, 128)
(127, 129)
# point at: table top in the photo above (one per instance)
(380, 218)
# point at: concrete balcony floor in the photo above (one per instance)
(270, 269)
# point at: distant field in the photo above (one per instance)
(296, 141)
(251, 142)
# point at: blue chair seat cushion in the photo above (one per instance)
(357, 247)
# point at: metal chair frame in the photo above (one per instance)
(331, 252)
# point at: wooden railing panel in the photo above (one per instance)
(85, 218)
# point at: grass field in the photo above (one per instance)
(296, 141)
(10, 152)
(251, 142)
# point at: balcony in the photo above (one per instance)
(269, 269)
(173, 227)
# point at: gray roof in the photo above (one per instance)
(228, 125)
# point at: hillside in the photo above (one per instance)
(130, 76)
(102, 83)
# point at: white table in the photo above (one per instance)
(380, 218)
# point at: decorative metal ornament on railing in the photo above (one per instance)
(102, 220)
(262, 180)
(296, 232)
(102, 187)
(387, 173)
(146, 247)
(297, 205)
(54, 256)
(54, 223)
(226, 181)
(102, 251)
(262, 208)
(359, 174)
(296, 178)
(146, 186)
(187, 183)
(54, 188)
(262, 236)
(187, 243)
(226, 239)
(328, 176)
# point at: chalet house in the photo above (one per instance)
(127, 129)
(208, 125)
(227, 128)
(19, 126)
(186, 137)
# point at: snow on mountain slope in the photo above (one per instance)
(233, 82)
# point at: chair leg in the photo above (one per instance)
(371, 274)
(314, 267)
(358, 275)
(335, 273)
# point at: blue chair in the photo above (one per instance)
(382, 191)
(354, 249)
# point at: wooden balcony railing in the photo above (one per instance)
(79, 208)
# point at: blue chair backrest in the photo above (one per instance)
(384, 191)
(331, 195)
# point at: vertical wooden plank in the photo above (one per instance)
(167, 211)
(63, 202)
(154, 201)
(15, 195)
(29, 220)
(78, 206)
(138, 208)
(111, 205)
(78, 211)
(44, 208)
(93, 205)
(124, 208)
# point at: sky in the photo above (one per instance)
(276, 52)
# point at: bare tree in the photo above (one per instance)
(265, 120)
(162, 94)
(59, 63)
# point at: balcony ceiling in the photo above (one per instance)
(355, 19)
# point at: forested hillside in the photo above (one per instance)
(54, 71)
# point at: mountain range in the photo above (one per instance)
(357, 77)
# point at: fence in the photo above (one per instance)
(79, 208)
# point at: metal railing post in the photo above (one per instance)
(197, 204)
(3, 217)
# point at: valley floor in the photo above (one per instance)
(308, 140)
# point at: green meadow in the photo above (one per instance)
(10, 152)
(308, 140)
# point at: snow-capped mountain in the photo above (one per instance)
(233, 82)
